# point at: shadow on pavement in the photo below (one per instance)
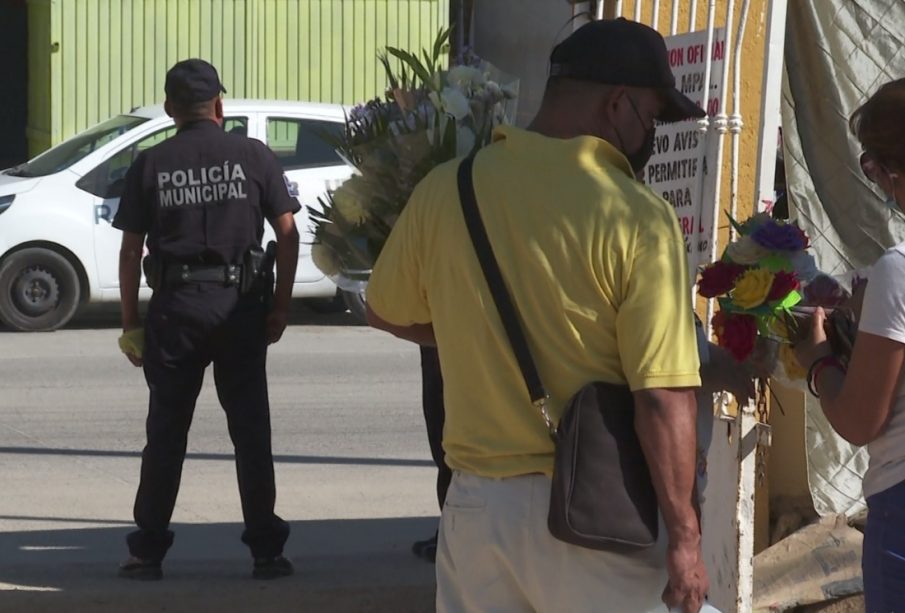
(103, 316)
(229, 457)
(341, 565)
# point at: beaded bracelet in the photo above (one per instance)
(818, 366)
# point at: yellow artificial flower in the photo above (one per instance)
(349, 201)
(778, 328)
(746, 251)
(325, 259)
(752, 288)
(790, 363)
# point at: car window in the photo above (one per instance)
(107, 179)
(303, 143)
(71, 151)
(236, 125)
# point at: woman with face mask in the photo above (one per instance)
(864, 400)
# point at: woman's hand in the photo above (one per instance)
(814, 346)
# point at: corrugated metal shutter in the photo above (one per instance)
(112, 55)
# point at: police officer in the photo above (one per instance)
(201, 198)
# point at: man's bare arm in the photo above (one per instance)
(287, 258)
(665, 423)
(422, 334)
(130, 253)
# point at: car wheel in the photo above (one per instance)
(39, 290)
(355, 302)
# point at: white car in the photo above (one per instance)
(58, 248)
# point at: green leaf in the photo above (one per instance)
(777, 263)
(413, 63)
(440, 43)
(430, 62)
(391, 77)
(736, 225)
(789, 301)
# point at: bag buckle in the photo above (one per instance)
(541, 405)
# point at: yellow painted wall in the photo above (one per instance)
(788, 474)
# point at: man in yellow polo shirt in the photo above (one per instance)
(595, 263)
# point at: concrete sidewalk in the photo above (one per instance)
(341, 565)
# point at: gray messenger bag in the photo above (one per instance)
(602, 495)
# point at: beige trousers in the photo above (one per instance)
(496, 555)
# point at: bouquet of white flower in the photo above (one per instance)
(429, 115)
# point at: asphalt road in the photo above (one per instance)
(354, 476)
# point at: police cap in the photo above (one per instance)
(191, 81)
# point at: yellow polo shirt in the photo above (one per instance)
(595, 263)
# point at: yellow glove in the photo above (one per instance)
(132, 342)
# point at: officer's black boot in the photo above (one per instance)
(272, 568)
(141, 570)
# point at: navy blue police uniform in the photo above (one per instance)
(201, 197)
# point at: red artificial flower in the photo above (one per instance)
(735, 333)
(717, 323)
(719, 278)
(783, 283)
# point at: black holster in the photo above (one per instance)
(153, 270)
(257, 271)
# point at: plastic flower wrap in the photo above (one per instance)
(429, 115)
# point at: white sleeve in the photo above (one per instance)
(884, 301)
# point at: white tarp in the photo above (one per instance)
(837, 53)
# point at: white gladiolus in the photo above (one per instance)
(465, 77)
(465, 140)
(455, 103)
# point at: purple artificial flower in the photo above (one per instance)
(359, 112)
(780, 237)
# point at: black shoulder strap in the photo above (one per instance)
(494, 278)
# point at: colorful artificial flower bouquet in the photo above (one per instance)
(429, 115)
(762, 277)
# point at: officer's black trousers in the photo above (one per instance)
(434, 416)
(189, 327)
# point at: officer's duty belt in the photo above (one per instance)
(191, 273)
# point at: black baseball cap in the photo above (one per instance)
(191, 81)
(623, 52)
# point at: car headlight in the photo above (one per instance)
(6, 202)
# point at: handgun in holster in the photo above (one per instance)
(257, 271)
(152, 268)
